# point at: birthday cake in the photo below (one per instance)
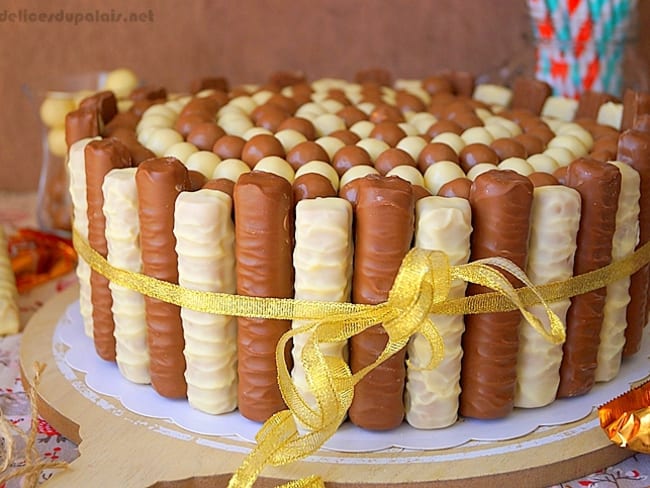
(318, 190)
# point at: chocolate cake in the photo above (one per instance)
(318, 190)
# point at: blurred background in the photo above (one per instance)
(172, 43)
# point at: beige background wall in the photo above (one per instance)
(244, 40)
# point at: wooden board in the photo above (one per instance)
(120, 448)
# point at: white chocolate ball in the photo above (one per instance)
(205, 162)
(412, 145)
(562, 155)
(228, 109)
(374, 147)
(543, 163)
(480, 169)
(155, 120)
(422, 121)
(454, 141)
(356, 172)
(366, 107)
(512, 127)
(572, 143)
(583, 135)
(235, 125)
(327, 123)
(277, 166)
(322, 168)
(477, 134)
(121, 81)
(56, 142)
(161, 139)
(497, 131)
(440, 173)
(230, 169)
(161, 109)
(246, 103)
(518, 165)
(54, 109)
(289, 138)
(330, 145)
(124, 105)
(331, 106)
(254, 131)
(181, 151)
(408, 129)
(363, 128)
(261, 97)
(408, 173)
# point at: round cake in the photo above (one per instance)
(318, 190)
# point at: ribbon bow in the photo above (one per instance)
(424, 279)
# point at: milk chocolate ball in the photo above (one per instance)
(433, 153)
(229, 147)
(304, 152)
(391, 158)
(349, 156)
(506, 147)
(389, 132)
(477, 153)
(299, 124)
(204, 135)
(261, 146)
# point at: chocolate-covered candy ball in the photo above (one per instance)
(347, 136)
(261, 146)
(433, 153)
(507, 147)
(391, 158)
(229, 147)
(458, 187)
(204, 135)
(299, 124)
(443, 126)
(532, 144)
(351, 115)
(389, 132)
(477, 153)
(539, 178)
(304, 152)
(349, 156)
(385, 112)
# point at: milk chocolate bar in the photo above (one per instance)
(159, 182)
(81, 124)
(634, 104)
(264, 244)
(589, 104)
(501, 205)
(104, 102)
(634, 149)
(530, 94)
(384, 215)
(101, 156)
(599, 185)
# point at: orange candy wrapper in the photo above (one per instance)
(37, 257)
(626, 419)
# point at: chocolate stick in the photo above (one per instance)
(384, 215)
(101, 157)
(599, 186)
(501, 205)
(264, 244)
(159, 182)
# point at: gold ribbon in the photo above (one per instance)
(420, 290)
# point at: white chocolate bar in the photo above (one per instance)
(431, 396)
(77, 172)
(322, 260)
(123, 241)
(555, 217)
(9, 316)
(626, 237)
(493, 94)
(205, 244)
(558, 107)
